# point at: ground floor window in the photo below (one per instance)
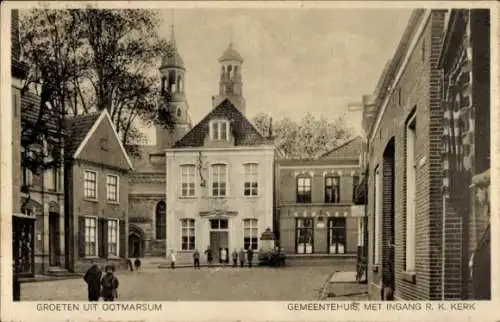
(188, 234)
(304, 230)
(112, 237)
(90, 236)
(337, 235)
(250, 234)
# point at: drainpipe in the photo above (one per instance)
(443, 250)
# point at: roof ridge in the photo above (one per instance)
(341, 145)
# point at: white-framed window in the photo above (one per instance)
(250, 234)
(377, 218)
(90, 184)
(113, 233)
(27, 174)
(410, 194)
(251, 184)
(188, 180)
(112, 188)
(219, 180)
(90, 236)
(187, 234)
(219, 130)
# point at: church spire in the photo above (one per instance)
(172, 34)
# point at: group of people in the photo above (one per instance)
(240, 256)
(101, 285)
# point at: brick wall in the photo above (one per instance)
(416, 92)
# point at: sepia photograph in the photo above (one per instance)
(234, 153)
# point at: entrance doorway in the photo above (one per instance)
(337, 235)
(54, 239)
(219, 239)
(388, 236)
(134, 245)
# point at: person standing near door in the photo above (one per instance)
(196, 258)
(210, 257)
(234, 256)
(242, 257)
(223, 256)
(250, 256)
(172, 259)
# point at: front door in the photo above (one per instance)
(134, 245)
(53, 239)
(337, 235)
(219, 239)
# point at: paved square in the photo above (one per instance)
(206, 284)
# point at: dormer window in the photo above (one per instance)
(219, 130)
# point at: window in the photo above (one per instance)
(112, 188)
(251, 179)
(332, 189)
(161, 221)
(187, 180)
(113, 237)
(377, 218)
(219, 180)
(90, 236)
(217, 224)
(90, 184)
(355, 184)
(27, 174)
(303, 190)
(188, 237)
(250, 234)
(304, 230)
(219, 130)
(337, 235)
(410, 194)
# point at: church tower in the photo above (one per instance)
(230, 84)
(173, 97)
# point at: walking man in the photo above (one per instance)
(210, 257)
(234, 256)
(196, 257)
(93, 279)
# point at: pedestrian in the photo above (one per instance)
(196, 258)
(137, 264)
(109, 284)
(250, 256)
(234, 256)
(172, 259)
(242, 257)
(210, 258)
(130, 265)
(223, 255)
(93, 279)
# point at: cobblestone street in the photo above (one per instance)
(186, 284)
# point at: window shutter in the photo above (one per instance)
(121, 240)
(81, 236)
(105, 238)
(100, 235)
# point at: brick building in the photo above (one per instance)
(96, 192)
(404, 200)
(418, 196)
(315, 206)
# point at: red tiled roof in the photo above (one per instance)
(245, 134)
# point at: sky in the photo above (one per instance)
(297, 60)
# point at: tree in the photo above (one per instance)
(98, 59)
(306, 139)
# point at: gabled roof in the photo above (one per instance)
(30, 110)
(244, 132)
(83, 127)
(350, 149)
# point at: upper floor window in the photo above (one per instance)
(112, 188)
(219, 180)
(219, 130)
(27, 174)
(303, 190)
(332, 189)
(187, 180)
(90, 184)
(251, 179)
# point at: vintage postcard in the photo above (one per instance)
(260, 161)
